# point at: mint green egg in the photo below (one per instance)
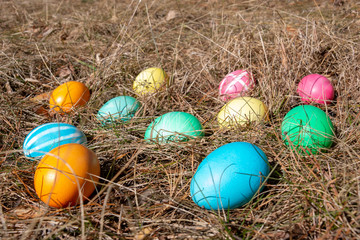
(121, 108)
(174, 127)
(307, 129)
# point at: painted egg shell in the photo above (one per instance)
(150, 80)
(122, 107)
(59, 176)
(68, 96)
(174, 126)
(316, 88)
(48, 136)
(307, 129)
(236, 84)
(240, 111)
(230, 176)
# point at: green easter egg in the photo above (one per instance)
(119, 108)
(174, 127)
(307, 129)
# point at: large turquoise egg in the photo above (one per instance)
(119, 108)
(230, 176)
(307, 129)
(174, 126)
(48, 136)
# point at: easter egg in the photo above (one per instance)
(174, 126)
(64, 173)
(307, 129)
(316, 88)
(122, 107)
(150, 80)
(68, 96)
(230, 176)
(240, 111)
(236, 84)
(48, 136)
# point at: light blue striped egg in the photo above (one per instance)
(45, 137)
(122, 107)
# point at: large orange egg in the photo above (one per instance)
(68, 96)
(63, 172)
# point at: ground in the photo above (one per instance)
(144, 188)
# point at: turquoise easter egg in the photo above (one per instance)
(119, 108)
(48, 136)
(307, 129)
(230, 176)
(174, 126)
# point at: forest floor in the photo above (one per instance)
(144, 189)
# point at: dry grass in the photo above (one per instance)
(144, 192)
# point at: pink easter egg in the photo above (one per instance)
(316, 88)
(236, 84)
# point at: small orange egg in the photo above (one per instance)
(63, 172)
(69, 95)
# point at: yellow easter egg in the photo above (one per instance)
(150, 80)
(240, 111)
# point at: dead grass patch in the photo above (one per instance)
(144, 192)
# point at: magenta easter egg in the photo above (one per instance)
(316, 88)
(236, 84)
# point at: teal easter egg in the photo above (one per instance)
(119, 108)
(174, 127)
(48, 136)
(230, 176)
(307, 129)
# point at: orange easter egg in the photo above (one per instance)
(64, 172)
(69, 95)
